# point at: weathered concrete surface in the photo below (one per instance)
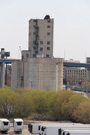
(2, 74)
(38, 73)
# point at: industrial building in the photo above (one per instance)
(41, 37)
(73, 75)
(38, 69)
(38, 73)
(40, 43)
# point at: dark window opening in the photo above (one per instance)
(34, 33)
(48, 48)
(47, 55)
(33, 26)
(41, 49)
(48, 21)
(34, 47)
(38, 127)
(27, 55)
(48, 33)
(34, 55)
(41, 42)
(48, 26)
(5, 123)
(48, 42)
(19, 123)
(34, 20)
(43, 128)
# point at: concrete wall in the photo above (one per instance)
(39, 73)
(17, 75)
(2, 74)
(25, 55)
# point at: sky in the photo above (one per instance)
(71, 26)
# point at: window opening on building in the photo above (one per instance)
(41, 49)
(48, 21)
(41, 42)
(34, 47)
(47, 55)
(48, 48)
(48, 42)
(34, 20)
(34, 33)
(27, 55)
(34, 55)
(48, 33)
(48, 26)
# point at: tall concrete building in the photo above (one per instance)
(41, 37)
(38, 69)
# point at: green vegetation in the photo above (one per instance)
(86, 85)
(44, 105)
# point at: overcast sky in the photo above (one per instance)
(71, 25)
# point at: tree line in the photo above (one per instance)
(63, 105)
